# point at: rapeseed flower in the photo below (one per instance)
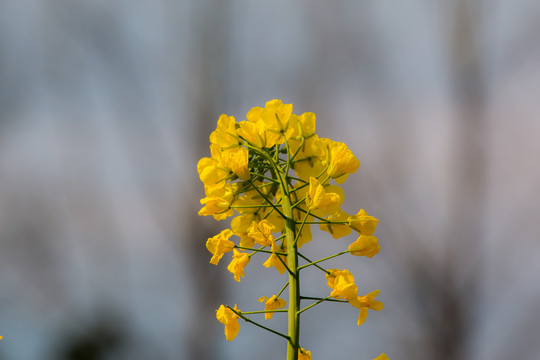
(272, 303)
(219, 245)
(367, 302)
(336, 230)
(279, 178)
(261, 232)
(363, 223)
(365, 246)
(225, 134)
(318, 198)
(277, 260)
(236, 266)
(228, 318)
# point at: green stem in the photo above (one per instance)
(313, 263)
(265, 198)
(300, 230)
(294, 283)
(252, 206)
(323, 259)
(298, 202)
(315, 216)
(259, 250)
(259, 325)
(282, 289)
(312, 305)
(262, 311)
(325, 222)
(298, 150)
(324, 299)
(264, 177)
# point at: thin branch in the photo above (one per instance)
(257, 324)
(312, 305)
(323, 259)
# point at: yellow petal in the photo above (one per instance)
(304, 354)
(363, 223)
(362, 316)
(365, 246)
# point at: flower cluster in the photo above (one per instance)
(276, 177)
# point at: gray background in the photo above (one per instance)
(106, 107)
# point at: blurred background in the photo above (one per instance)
(106, 107)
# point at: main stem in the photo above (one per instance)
(292, 262)
(294, 283)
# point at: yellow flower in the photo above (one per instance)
(225, 133)
(219, 245)
(210, 172)
(304, 354)
(343, 287)
(250, 212)
(303, 126)
(318, 198)
(237, 160)
(236, 266)
(272, 303)
(240, 226)
(363, 223)
(250, 202)
(274, 118)
(308, 162)
(366, 302)
(253, 133)
(218, 203)
(382, 357)
(341, 160)
(274, 259)
(365, 246)
(256, 132)
(342, 284)
(261, 232)
(337, 230)
(228, 318)
(276, 115)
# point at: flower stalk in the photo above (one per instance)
(277, 178)
(294, 281)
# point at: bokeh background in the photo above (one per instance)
(106, 107)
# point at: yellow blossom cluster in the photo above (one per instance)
(276, 177)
